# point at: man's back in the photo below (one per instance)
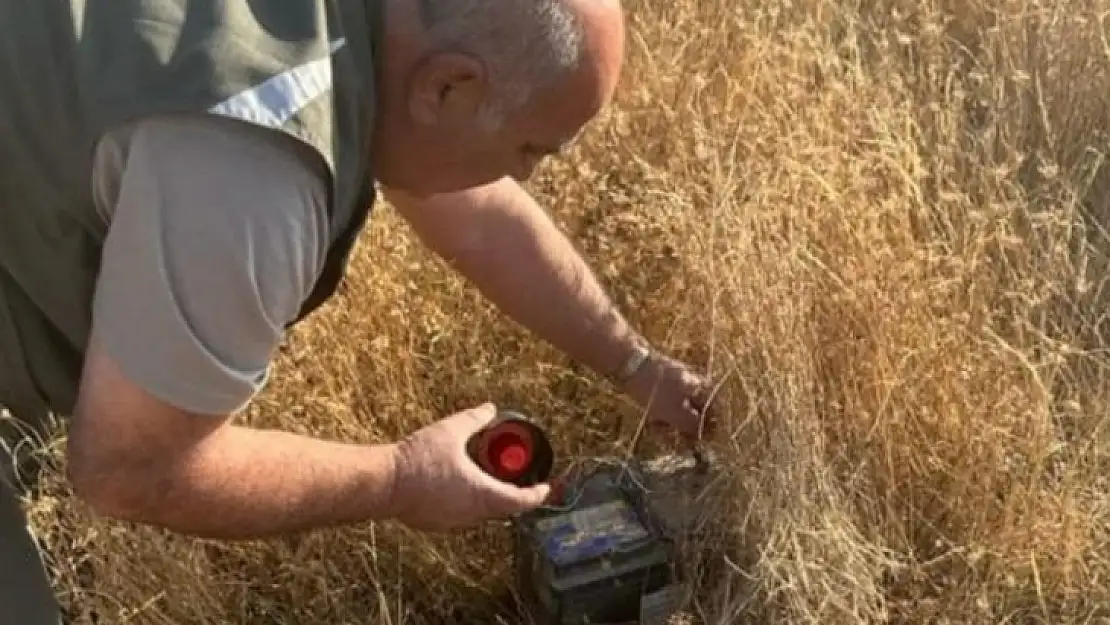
(84, 69)
(161, 199)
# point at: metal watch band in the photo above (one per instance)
(640, 355)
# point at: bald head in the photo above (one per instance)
(528, 45)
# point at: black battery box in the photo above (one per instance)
(601, 558)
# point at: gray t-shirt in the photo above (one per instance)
(217, 233)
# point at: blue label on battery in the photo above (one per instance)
(591, 533)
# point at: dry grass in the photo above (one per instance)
(886, 214)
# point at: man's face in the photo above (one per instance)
(432, 137)
(448, 157)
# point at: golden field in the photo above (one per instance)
(878, 223)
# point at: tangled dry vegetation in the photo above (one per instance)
(880, 222)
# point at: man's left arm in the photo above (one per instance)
(501, 240)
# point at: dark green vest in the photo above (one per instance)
(72, 68)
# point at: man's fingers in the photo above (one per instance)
(532, 496)
(701, 414)
(478, 417)
(503, 498)
(697, 389)
(699, 396)
(506, 499)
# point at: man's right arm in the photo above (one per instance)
(216, 234)
(137, 458)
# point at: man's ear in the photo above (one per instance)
(447, 90)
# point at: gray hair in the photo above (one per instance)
(525, 44)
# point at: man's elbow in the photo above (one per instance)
(111, 483)
(98, 485)
(124, 446)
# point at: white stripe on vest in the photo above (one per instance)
(274, 102)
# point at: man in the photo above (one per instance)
(182, 181)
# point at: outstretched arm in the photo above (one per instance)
(134, 457)
(501, 240)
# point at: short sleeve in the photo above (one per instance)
(216, 234)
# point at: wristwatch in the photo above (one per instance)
(640, 355)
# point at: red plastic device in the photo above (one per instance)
(514, 450)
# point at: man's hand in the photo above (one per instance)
(675, 398)
(438, 487)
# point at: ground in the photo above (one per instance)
(877, 222)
